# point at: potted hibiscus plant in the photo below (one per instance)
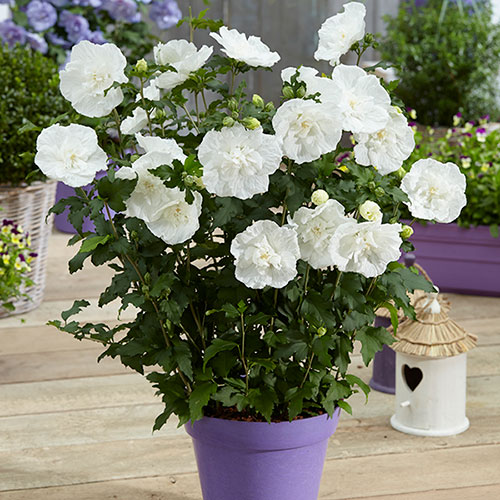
(254, 258)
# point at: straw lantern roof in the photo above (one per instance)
(433, 334)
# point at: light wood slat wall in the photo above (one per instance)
(287, 26)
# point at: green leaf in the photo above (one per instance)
(394, 315)
(345, 406)
(218, 345)
(372, 340)
(91, 243)
(352, 379)
(199, 398)
(77, 306)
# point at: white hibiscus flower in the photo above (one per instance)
(70, 154)
(358, 99)
(182, 55)
(386, 149)
(315, 228)
(176, 220)
(266, 255)
(436, 190)
(89, 75)
(134, 123)
(370, 210)
(365, 248)
(165, 211)
(251, 50)
(151, 92)
(238, 162)
(169, 147)
(314, 83)
(307, 129)
(338, 33)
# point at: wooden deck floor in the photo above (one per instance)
(74, 429)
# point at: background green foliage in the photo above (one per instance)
(447, 56)
(29, 93)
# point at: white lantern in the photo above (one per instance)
(431, 371)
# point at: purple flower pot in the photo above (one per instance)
(260, 461)
(384, 365)
(459, 260)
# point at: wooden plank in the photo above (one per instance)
(89, 282)
(473, 306)
(75, 394)
(52, 310)
(46, 338)
(70, 428)
(354, 477)
(186, 487)
(63, 465)
(178, 487)
(135, 422)
(472, 493)
(362, 477)
(35, 367)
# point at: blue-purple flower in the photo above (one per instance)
(41, 15)
(37, 42)
(96, 37)
(165, 13)
(76, 26)
(122, 10)
(11, 33)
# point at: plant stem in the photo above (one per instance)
(190, 118)
(243, 360)
(307, 370)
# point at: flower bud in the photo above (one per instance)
(321, 331)
(232, 104)
(301, 91)
(228, 121)
(235, 115)
(288, 92)
(258, 101)
(251, 123)
(319, 197)
(134, 158)
(269, 106)
(141, 66)
(159, 114)
(343, 168)
(198, 182)
(369, 210)
(379, 192)
(401, 172)
(406, 232)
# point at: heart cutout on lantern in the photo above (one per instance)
(412, 376)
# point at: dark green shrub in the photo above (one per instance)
(30, 93)
(447, 56)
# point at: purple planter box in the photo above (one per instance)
(260, 461)
(459, 260)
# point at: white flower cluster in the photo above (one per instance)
(238, 162)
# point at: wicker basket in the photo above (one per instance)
(28, 206)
